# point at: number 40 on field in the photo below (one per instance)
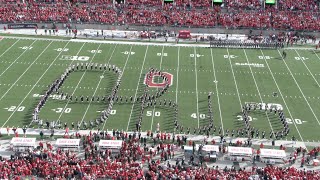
(201, 116)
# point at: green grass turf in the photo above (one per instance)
(26, 72)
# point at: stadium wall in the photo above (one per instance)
(209, 30)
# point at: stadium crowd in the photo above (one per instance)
(129, 163)
(136, 159)
(288, 14)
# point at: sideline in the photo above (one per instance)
(268, 142)
(132, 42)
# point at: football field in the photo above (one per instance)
(234, 76)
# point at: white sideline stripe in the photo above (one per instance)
(135, 95)
(33, 85)
(255, 82)
(24, 71)
(234, 79)
(64, 108)
(300, 89)
(197, 94)
(97, 87)
(308, 69)
(217, 91)
(172, 44)
(17, 58)
(154, 107)
(281, 95)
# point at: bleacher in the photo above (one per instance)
(285, 15)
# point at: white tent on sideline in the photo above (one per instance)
(68, 143)
(21, 144)
(272, 153)
(110, 144)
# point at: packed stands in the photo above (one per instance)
(303, 5)
(144, 3)
(136, 160)
(193, 3)
(296, 20)
(245, 19)
(244, 4)
(240, 13)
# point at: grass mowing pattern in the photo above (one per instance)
(27, 67)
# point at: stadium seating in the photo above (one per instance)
(245, 19)
(144, 3)
(197, 13)
(303, 5)
(244, 4)
(193, 3)
(49, 163)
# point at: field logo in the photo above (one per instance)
(74, 58)
(161, 84)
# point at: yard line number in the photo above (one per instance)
(197, 55)
(229, 56)
(162, 54)
(60, 110)
(300, 58)
(297, 121)
(265, 57)
(15, 108)
(62, 49)
(127, 53)
(201, 116)
(95, 51)
(240, 118)
(156, 113)
(26, 47)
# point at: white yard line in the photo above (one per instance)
(300, 89)
(285, 103)
(33, 87)
(135, 95)
(94, 93)
(9, 48)
(178, 68)
(217, 91)
(234, 79)
(17, 58)
(316, 54)
(307, 68)
(77, 85)
(108, 64)
(97, 87)
(255, 82)
(154, 107)
(197, 93)
(54, 61)
(24, 71)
